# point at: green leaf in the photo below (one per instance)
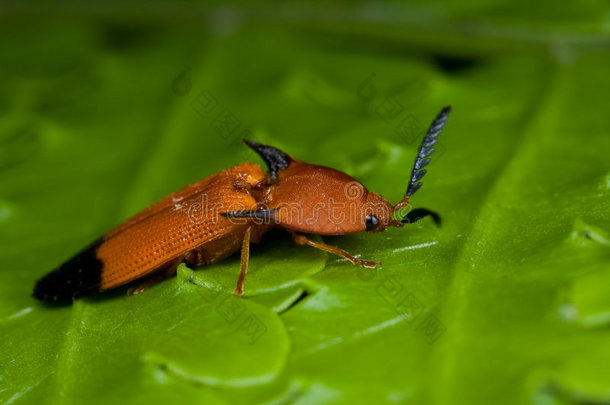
(507, 302)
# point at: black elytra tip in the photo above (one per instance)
(425, 150)
(79, 276)
(275, 159)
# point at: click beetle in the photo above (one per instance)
(213, 218)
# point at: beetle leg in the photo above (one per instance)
(166, 272)
(245, 257)
(303, 240)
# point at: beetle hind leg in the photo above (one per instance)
(303, 240)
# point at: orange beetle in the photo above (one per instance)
(211, 219)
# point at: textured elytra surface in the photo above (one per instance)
(176, 225)
(517, 276)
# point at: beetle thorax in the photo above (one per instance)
(316, 199)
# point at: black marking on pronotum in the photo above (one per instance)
(419, 213)
(425, 150)
(266, 215)
(77, 277)
(275, 159)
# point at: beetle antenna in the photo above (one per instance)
(258, 214)
(275, 159)
(425, 150)
(423, 153)
(418, 214)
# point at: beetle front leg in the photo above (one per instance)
(303, 240)
(245, 257)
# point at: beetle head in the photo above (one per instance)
(376, 213)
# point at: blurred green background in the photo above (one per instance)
(107, 107)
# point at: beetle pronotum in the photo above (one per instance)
(237, 206)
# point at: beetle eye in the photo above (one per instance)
(371, 222)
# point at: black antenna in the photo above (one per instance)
(426, 150)
(276, 159)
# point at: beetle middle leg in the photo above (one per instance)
(245, 258)
(303, 240)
